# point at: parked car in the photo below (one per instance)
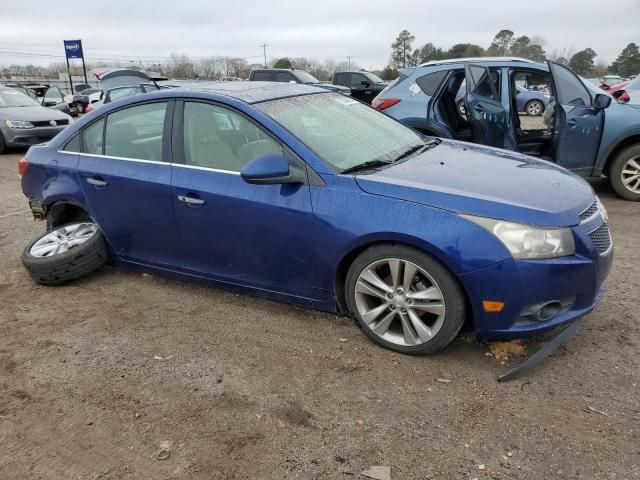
(286, 75)
(579, 136)
(47, 96)
(363, 85)
(25, 122)
(87, 97)
(531, 102)
(626, 92)
(306, 196)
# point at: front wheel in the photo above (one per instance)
(404, 299)
(534, 108)
(624, 174)
(66, 253)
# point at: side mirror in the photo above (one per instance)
(269, 170)
(602, 101)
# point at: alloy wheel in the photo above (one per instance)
(534, 108)
(399, 302)
(631, 174)
(63, 239)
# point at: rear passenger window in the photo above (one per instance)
(92, 138)
(262, 76)
(72, 145)
(429, 83)
(136, 132)
(221, 139)
(284, 77)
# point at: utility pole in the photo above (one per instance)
(349, 60)
(264, 49)
(404, 53)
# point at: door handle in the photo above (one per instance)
(190, 200)
(572, 123)
(96, 182)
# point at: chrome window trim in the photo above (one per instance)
(111, 157)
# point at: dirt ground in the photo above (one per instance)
(130, 376)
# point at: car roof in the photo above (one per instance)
(251, 92)
(476, 60)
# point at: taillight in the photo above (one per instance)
(23, 164)
(384, 103)
(88, 109)
(624, 98)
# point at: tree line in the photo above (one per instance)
(506, 43)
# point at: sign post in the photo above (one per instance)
(73, 49)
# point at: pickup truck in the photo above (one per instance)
(363, 85)
(286, 75)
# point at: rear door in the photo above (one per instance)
(232, 231)
(485, 112)
(578, 125)
(125, 173)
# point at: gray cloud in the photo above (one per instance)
(317, 29)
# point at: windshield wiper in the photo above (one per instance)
(423, 147)
(365, 165)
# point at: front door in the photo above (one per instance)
(126, 178)
(252, 235)
(578, 125)
(484, 110)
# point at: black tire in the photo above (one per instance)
(615, 172)
(454, 298)
(532, 102)
(3, 146)
(71, 265)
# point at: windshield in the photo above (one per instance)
(340, 130)
(305, 77)
(373, 77)
(15, 98)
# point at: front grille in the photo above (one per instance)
(601, 238)
(47, 123)
(589, 212)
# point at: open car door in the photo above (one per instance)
(577, 123)
(485, 112)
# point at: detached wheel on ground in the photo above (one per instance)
(405, 299)
(534, 108)
(624, 174)
(66, 253)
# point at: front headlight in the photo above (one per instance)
(18, 124)
(529, 242)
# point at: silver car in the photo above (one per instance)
(24, 122)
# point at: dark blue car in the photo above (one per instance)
(310, 197)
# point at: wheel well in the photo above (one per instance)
(63, 212)
(627, 142)
(347, 260)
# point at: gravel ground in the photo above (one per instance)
(130, 376)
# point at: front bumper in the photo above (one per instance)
(25, 137)
(577, 282)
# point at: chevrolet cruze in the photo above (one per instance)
(294, 193)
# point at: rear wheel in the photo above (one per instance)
(404, 299)
(3, 146)
(624, 173)
(65, 253)
(534, 108)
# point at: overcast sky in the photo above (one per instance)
(321, 29)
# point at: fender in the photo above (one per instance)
(604, 155)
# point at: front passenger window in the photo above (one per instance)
(221, 139)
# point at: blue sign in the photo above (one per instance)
(73, 48)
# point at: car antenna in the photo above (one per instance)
(147, 74)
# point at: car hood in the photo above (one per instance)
(31, 114)
(477, 180)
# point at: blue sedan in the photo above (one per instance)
(306, 196)
(531, 102)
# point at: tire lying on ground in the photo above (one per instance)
(66, 253)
